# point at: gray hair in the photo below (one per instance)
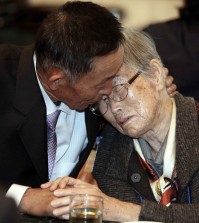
(139, 50)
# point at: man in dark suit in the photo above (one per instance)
(78, 50)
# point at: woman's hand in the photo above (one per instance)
(59, 183)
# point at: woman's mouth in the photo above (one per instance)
(125, 121)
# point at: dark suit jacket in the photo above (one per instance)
(23, 131)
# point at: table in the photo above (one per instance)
(33, 219)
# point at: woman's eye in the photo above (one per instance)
(105, 99)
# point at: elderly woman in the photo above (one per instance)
(147, 164)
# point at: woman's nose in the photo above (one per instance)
(115, 106)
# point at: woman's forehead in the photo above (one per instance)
(118, 79)
(123, 76)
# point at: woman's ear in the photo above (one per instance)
(156, 70)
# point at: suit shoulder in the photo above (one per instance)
(10, 52)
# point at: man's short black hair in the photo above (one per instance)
(72, 36)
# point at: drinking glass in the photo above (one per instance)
(86, 208)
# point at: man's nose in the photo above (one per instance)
(107, 89)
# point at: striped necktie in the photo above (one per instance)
(52, 139)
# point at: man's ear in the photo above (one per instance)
(55, 79)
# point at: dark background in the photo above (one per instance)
(19, 22)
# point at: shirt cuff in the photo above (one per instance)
(16, 192)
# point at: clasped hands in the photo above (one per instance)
(113, 209)
(63, 189)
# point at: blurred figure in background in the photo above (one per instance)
(177, 44)
(19, 21)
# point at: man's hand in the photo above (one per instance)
(171, 87)
(37, 202)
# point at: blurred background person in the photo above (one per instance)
(177, 42)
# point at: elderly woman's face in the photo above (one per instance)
(136, 114)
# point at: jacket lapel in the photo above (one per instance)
(32, 112)
(138, 178)
(125, 166)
